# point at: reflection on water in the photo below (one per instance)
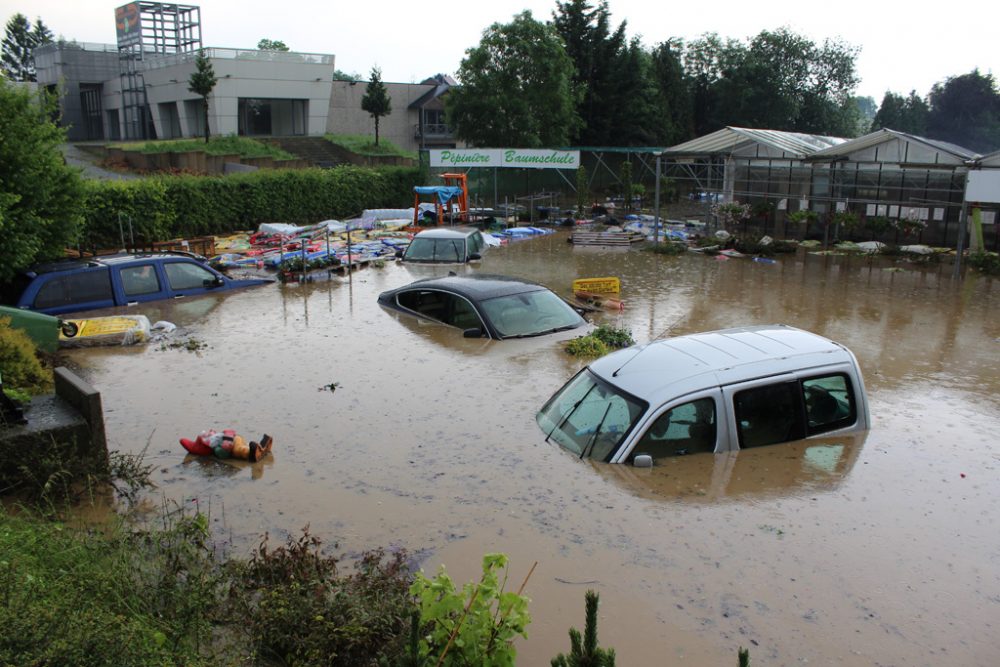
(791, 469)
(429, 443)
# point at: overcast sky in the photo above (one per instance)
(904, 46)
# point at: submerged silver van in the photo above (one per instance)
(708, 392)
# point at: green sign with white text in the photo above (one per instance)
(520, 158)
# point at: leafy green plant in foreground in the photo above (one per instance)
(474, 626)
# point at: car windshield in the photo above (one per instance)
(435, 250)
(530, 314)
(589, 417)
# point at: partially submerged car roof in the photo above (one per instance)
(71, 264)
(681, 365)
(476, 287)
(446, 232)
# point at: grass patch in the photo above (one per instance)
(365, 145)
(216, 146)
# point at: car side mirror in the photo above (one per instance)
(643, 461)
(399, 254)
(474, 256)
(474, 332)
(218, 281)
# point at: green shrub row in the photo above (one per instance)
(168, 207)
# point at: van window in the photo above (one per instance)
(76, 288)
(475, 242)
(184, 275)
(769, 414)
(139, 280)
(685, 429)
(435, 250)
(829, 403)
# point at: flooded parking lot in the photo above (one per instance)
(878, 550)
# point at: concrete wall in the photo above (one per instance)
(68, 65)
(400, 127)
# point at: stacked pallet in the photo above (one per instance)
(622, 238)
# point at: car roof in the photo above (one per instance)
(476, 287)
(104, 260)
(678, 366)
(446, 233)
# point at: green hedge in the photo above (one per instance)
(168, 207)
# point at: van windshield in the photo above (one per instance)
(589, 417)
(435, 250)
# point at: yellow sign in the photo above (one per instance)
(597, 285)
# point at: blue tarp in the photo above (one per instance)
(444, 192)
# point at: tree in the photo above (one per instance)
(778, 80)
(202, 82)
(674, 93)
(266, 44)
(19, 42)
(902, 114)
(517, 88)
(965, 110)
(598, 56)
(40, 197)
(376, 99)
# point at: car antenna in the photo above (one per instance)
(637, 353)
(662, 335)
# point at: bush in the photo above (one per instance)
(476, 626)
(19, 364)
(613, 337)
(587, 346)
(667, 248)
(167, 207)
(39, 194)
(293, 607)
(985, 262)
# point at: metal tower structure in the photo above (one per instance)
(150, 30)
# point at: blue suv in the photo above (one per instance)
(119, 280)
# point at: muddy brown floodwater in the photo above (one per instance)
(879, 550)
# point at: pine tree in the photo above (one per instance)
(18, 61)
(376, 99)
(202, 82)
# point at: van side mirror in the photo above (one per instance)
(643, 461)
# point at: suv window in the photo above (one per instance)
(75, 288)
(770, 414)
(829, 403)
(185, 275)
(684, 429)
(139, 280)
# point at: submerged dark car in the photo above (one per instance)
(485, 306)
(117, 280)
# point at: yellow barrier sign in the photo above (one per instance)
(597, 285)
